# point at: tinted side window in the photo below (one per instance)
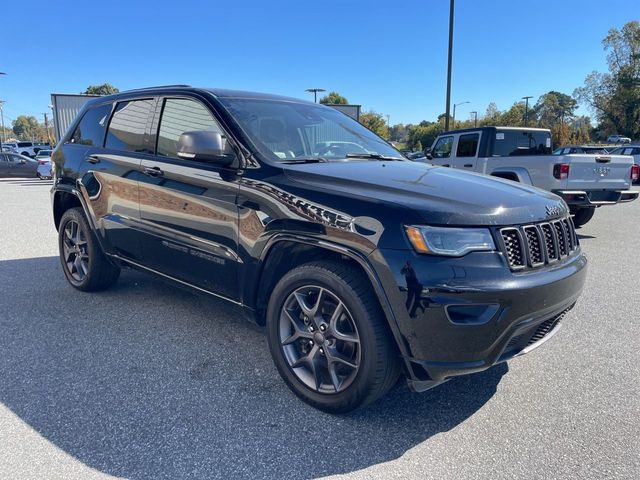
(128, 125)
(442, 148)
(90, 130)
(468, 145)
(182, 115)
(510, 143)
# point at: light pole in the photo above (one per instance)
(475, 118)
(2, 118)
(453, 119)
(53, 124)
(4, 140)
(526, 110)
(446, 118)
(315, 93)
(388, 126)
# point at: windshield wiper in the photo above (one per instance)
(305, 160)
(372, 156)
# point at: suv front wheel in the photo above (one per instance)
(329, 339)
(83, 262)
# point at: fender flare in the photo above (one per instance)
(366, 266)
(521, 173)
(72, 190)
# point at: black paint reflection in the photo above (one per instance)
(414, 291)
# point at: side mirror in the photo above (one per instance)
(204, 146)
(429, 156)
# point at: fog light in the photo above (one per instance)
(471, 314)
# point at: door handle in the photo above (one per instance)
(93, 160)
(468, 165)
(153, 171)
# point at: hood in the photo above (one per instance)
(440, 195)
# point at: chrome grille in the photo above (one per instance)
(532, 246)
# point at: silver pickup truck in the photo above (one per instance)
(584, 181)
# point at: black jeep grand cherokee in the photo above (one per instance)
(361, 264)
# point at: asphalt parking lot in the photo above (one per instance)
(149, 381)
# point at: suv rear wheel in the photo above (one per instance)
(329, 339)
(83, 262)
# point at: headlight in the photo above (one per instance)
(454, 242)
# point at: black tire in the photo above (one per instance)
(378, 363)
(582, 215)
(83, 262)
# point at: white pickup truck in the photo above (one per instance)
(584, 181)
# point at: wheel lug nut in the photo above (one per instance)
(311, 328)
(323, 327)
(311, 342)
(322, 351)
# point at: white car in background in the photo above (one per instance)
(23, 148)
(44, 171)
(618, 139)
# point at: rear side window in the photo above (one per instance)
(90, 130)
(128, 125)
(181, 115)
(442, 148)
(509, 143)
(468, 145)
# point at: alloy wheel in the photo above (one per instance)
(319, 339)
(76, 255)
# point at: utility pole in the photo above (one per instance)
(448, 106)
(526, 110)
(4, 140)
(315, 93)
(475, 118)
(388, 126)
(454, 111)
(46, 126)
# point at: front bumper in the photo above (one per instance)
(463, 315)
(596, 198)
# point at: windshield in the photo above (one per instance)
(285, 131)
(44, 153)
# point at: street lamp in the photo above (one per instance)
(526, 110)
(453, 119)
(475, 118)
(2, 118)
(315, 93)
(447, 110)
(388, 126)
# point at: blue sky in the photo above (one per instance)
(387, 56)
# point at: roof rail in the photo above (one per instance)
(158, 86)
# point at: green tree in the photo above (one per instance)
(334, 98)
(104, 89)
(376, 123)
(491, 116)
(399, 132)
(423, 134)
(614, 97)
(25, 127)
(553, 108)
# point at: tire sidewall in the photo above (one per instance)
(355, 393)
(75, 215)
